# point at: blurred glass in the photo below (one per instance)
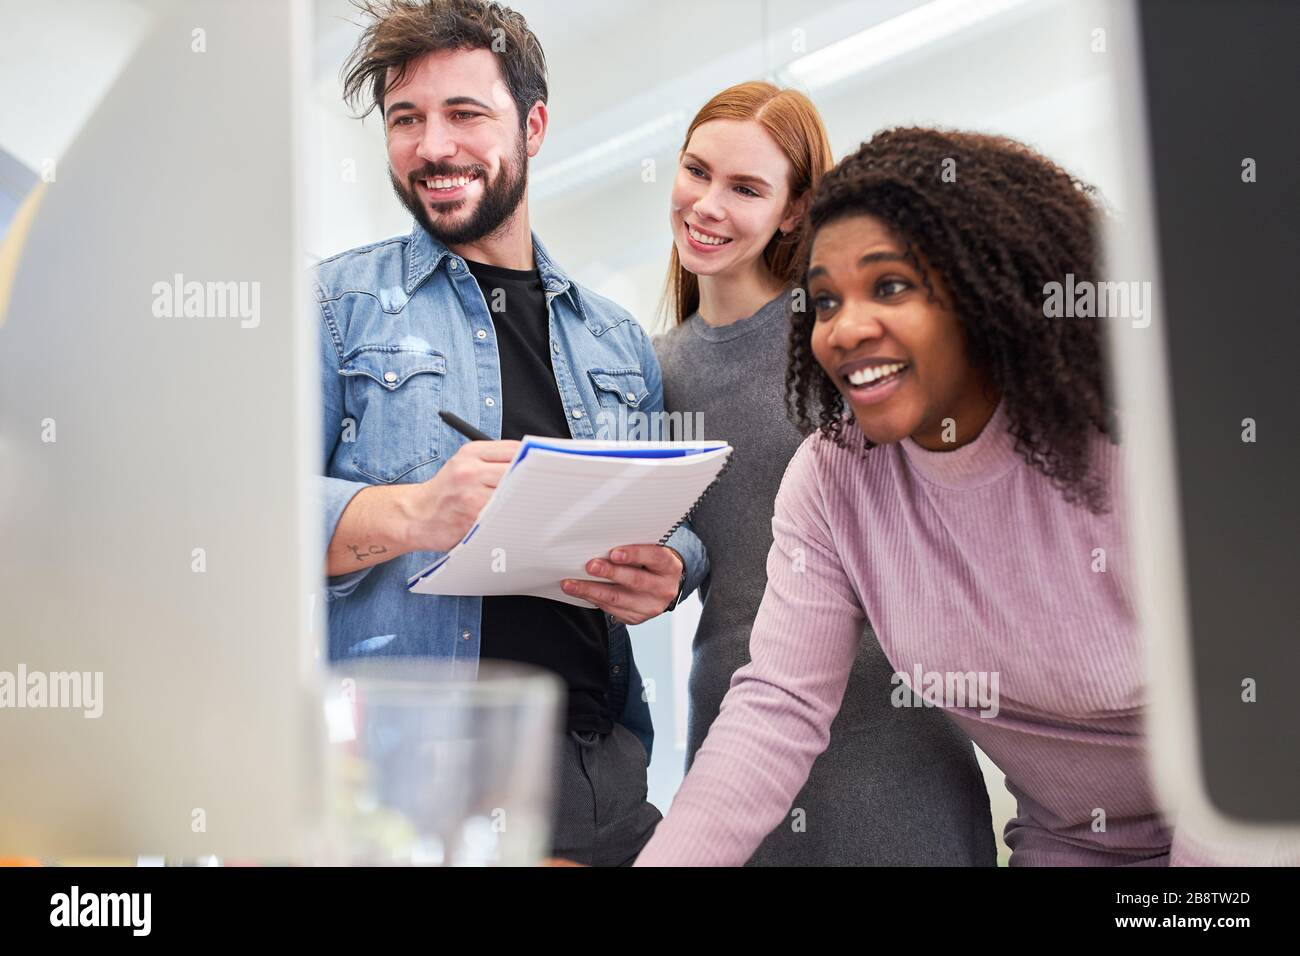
(426, 769)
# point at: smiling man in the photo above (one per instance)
(469, 314)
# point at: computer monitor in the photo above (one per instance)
(159, 616)
(1207, 389)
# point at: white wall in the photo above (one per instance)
(57, 60)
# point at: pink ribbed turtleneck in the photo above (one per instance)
(964, 561)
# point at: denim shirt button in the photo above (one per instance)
(481, 333)
(454, 265)
(390, 376)
(464, 635)
(488, 401)
(577, 413)
(555, 347)
(616, 669)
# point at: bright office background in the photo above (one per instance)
(625, 78)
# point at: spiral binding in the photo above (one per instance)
(703, 494)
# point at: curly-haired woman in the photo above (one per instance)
(961, 491)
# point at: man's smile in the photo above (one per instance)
(448, 188)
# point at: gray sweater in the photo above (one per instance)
(896, 786)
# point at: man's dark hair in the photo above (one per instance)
(401, 31)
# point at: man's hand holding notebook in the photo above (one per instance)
(563, 506)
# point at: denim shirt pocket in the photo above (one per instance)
(617, 387)
(395, 392)
(620, 392)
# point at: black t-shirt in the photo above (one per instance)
(572, 642)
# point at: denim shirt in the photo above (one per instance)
(405, 332)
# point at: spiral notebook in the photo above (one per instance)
(565, 501)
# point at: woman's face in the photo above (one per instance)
(894, 353)
(731, 195)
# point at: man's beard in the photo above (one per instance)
(501, 197)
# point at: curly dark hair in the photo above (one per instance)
(1010, 223)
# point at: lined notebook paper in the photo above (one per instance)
(566, 501)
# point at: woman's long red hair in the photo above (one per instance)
(795, 125)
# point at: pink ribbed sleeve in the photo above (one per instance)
(776, 718)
